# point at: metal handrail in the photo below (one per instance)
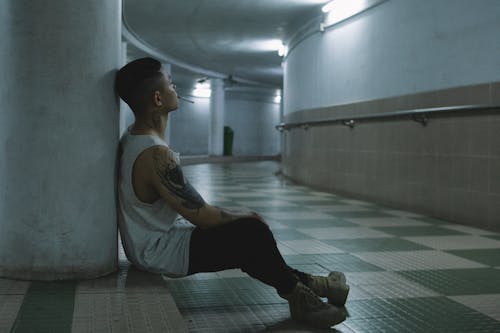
(419, 115)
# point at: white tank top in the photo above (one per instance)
(155, 237)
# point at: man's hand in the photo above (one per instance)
(257, 216)
(232, 215)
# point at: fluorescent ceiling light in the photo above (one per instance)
(326, 8)
(344, 6)
(205, 93)
(282, 50)
(202, 90)
(203, 85)
(276, 45)
(271, 45)
(339, 10)
(310, 2)
(260, 45)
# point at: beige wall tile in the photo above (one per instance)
(469, 95)
(478, 174)
(494, 175)
(449, 168)
(494, 137)
(495, 93)
(494, 211)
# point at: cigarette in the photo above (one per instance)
(184, 98)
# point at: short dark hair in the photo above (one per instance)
(135, 79)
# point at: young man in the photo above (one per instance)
(153, 192)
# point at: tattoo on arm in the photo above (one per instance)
(173, 179)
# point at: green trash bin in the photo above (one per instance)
(228, 140)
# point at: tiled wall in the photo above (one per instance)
(449, 169)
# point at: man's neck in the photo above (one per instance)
(145, 128)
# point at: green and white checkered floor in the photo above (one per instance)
(407, 272)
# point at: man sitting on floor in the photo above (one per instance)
(153, 192)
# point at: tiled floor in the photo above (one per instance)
(408, 273)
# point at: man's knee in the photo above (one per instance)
(253, 236)
(253, 223)
(254, 229)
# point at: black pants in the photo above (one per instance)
(247, 244)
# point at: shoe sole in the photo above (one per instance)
(327, 318)
(340, 297)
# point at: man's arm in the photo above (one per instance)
(168, 180)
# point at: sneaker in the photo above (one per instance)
(333, 287)
(306, 307)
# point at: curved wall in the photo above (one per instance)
(399, 47)
(401, 55)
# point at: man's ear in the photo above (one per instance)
(158, 99)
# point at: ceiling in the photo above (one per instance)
(223, 36)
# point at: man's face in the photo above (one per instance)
(169, 94)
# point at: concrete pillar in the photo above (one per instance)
(217, 108)
(168, 130)
(167, 68)
(282, 119)
(126, 114)
(59, 126)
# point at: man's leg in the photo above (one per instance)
(250, 245)
(245, 243)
